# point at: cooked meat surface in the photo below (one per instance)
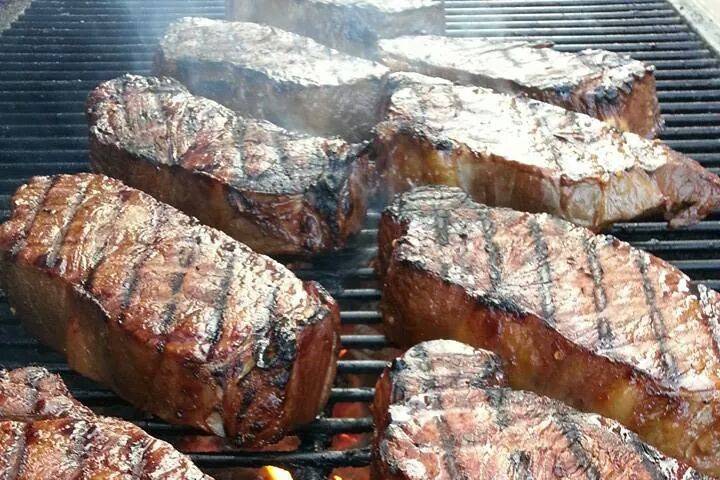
(45, 434)
(351, 26)
(276, 191)
(264, 72)
(437, 420)
(178, 318)
(529, 155)
(602, 84)
(582, 318)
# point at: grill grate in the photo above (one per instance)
(60, 49)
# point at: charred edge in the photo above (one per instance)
(650, 458)
(440, 226)
(494, 255)
(520, 462)
(80, 438)
(446, 437)
(572, 434)
(99, 256)
(19, 466)
(168, 316)
(52, 256)
(605, 334)
(544, 271)
(497, 399)
(221, 304)
(22, 241)
(131, 283)
(667, 359)
(326, 195)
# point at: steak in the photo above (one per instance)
(351, 26)
(47, 434)
(176, 317)
(264, 72)
(276, 191)
(602, 84)
(437, 421)
(529, 155)
(582, 318)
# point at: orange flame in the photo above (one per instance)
(274, 473)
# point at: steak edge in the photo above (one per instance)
(276, 191)
(176, 317)
(474, 427)
(605, 85)
(582, 318)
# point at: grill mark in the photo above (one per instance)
(544, 271)
(21, 442)
(604, 330)
(650, 459)
(19, 467)
(52, 256)
(22, 241)
(160, 217)
(167, 322)
(82, 438)
(494, 255)
(32, 382)
(497, 400)
(440, 226)
(667, 360)
(101, 254)
(455, 469)
(221, 306)
(520, 461)
(709, 313)
(572, 435)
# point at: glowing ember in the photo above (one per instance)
(343, 352)
(274, 473)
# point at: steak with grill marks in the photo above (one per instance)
(264, 72)
(444, 412)
(46, 434)
(278, 192)
(525, 154)
(602, 84)
(178, 318)
(352, 26)
(582, 318)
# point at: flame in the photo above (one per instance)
(343, 352)
(337, 477)
(274, 473)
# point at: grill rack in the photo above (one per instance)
(60, 49)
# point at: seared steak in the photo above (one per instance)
(473, 427)
(276, 191)
(264, 72)
(602, 84)
(48, 435)
(178, 318)
(525, 154)
(352, 26)
(582, 318)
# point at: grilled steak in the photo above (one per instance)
(176, 317)
(264, 72)
(437, 421)
(276, 191)
(352, 26)
(47, 434)
(582, 318)
(529, 155)
(602, 84)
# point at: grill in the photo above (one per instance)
(60, 49)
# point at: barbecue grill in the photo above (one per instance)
(60, 49)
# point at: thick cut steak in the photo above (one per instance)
(178, 318)
(45, 434)
(602, 84)
(526, 154)
(351, 26)
(582, 318)
(276, 191)
(264, 72)
(444, 412)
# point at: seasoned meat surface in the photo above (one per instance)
(264, 72)
(582, 318)
(276, 191)
(178, 318)
(602, 84)
(474, 427)
(529, 155)
(351, 26)
(45, 434)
